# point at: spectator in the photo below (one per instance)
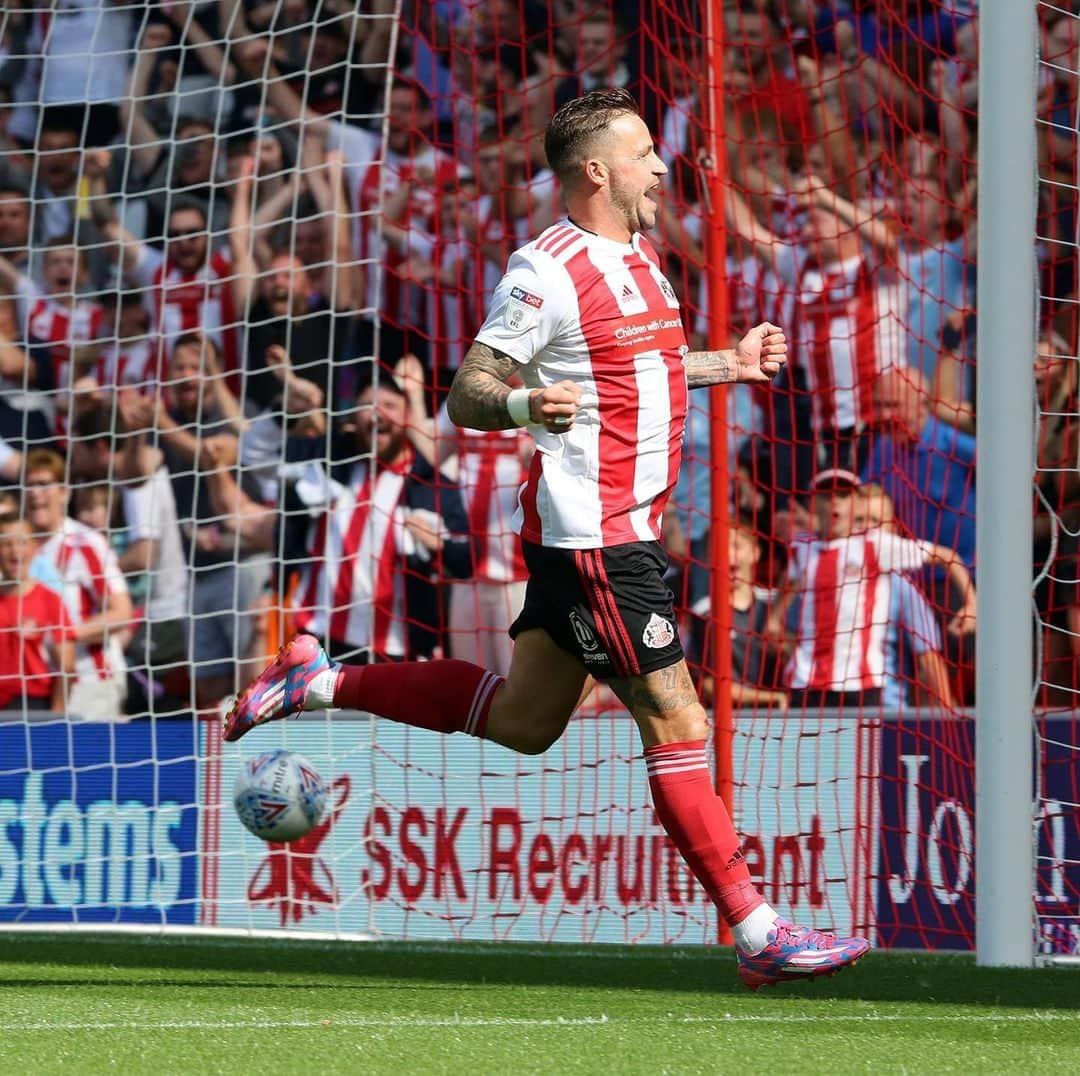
(84, 50)
(199, 430)
(915, 665)
(445, 264)
(57, 186)
(755, 667)
(394, 527)
(411, 159)
(15, 227)
(15, 170)
(159, 648)
(491, 468)
(601, 55)
(94, 592)
(319, 233)
(924, 465)
(170, 154)
(838, 652)
(130, 354)
(56, 316)
(92, 506)
(282, 312)
(37, 639)
(758, 77)
(192, 287)
(845, 307)
(934, 261)
(26, 406)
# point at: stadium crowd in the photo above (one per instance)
(230, 314)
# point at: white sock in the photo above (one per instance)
(752, 934)
(320, 692)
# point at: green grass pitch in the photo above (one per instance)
(77, 1004)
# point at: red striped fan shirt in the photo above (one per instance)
(90, 572)
(353, 589)
(848, 329)
(490, 473)
(844, 613)
(182, 302)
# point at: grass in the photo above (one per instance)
(90, 1004)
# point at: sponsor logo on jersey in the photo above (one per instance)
(658, 633)
(524, 296)
(521, 310)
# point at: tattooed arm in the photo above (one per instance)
(704, 368)
(479, 394)
(759, 356)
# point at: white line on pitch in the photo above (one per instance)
(405, 1022)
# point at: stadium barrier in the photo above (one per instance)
(133, 825)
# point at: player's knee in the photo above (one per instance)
(680, 726)
(537, 741)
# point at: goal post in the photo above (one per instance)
(1008, 47)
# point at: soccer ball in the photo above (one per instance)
(279, 796)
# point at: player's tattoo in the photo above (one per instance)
(704, 368)
(477, 399)
(657, 693)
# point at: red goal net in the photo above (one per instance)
(821, 177)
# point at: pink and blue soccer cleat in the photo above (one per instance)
(280, 689)
(799, 953)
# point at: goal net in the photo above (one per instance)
(245, 246)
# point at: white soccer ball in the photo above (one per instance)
(279, 796)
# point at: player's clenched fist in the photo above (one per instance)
(761, 354)
(555, 407)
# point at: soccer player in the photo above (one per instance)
(586, 318)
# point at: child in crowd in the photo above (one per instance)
(841, 576)
(754, 658)
(37, 639)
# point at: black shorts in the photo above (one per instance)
(610, 608)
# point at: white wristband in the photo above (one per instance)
(517, 403)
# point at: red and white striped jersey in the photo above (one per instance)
(490, 473)
(455, 305)
(353, 589)
(848, 329)
(844, 613)
(60, 326)
(755, 293)
(401, 299)
(90, 572)
(131, 364)
(201, 301)
(578, 307)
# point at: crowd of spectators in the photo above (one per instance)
(244, 244)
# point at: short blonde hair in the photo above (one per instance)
(44, 459)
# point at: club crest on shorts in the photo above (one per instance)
(521, 310)
(583, 633)
(658, 632)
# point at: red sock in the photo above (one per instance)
(697, 821)
(444, 696)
